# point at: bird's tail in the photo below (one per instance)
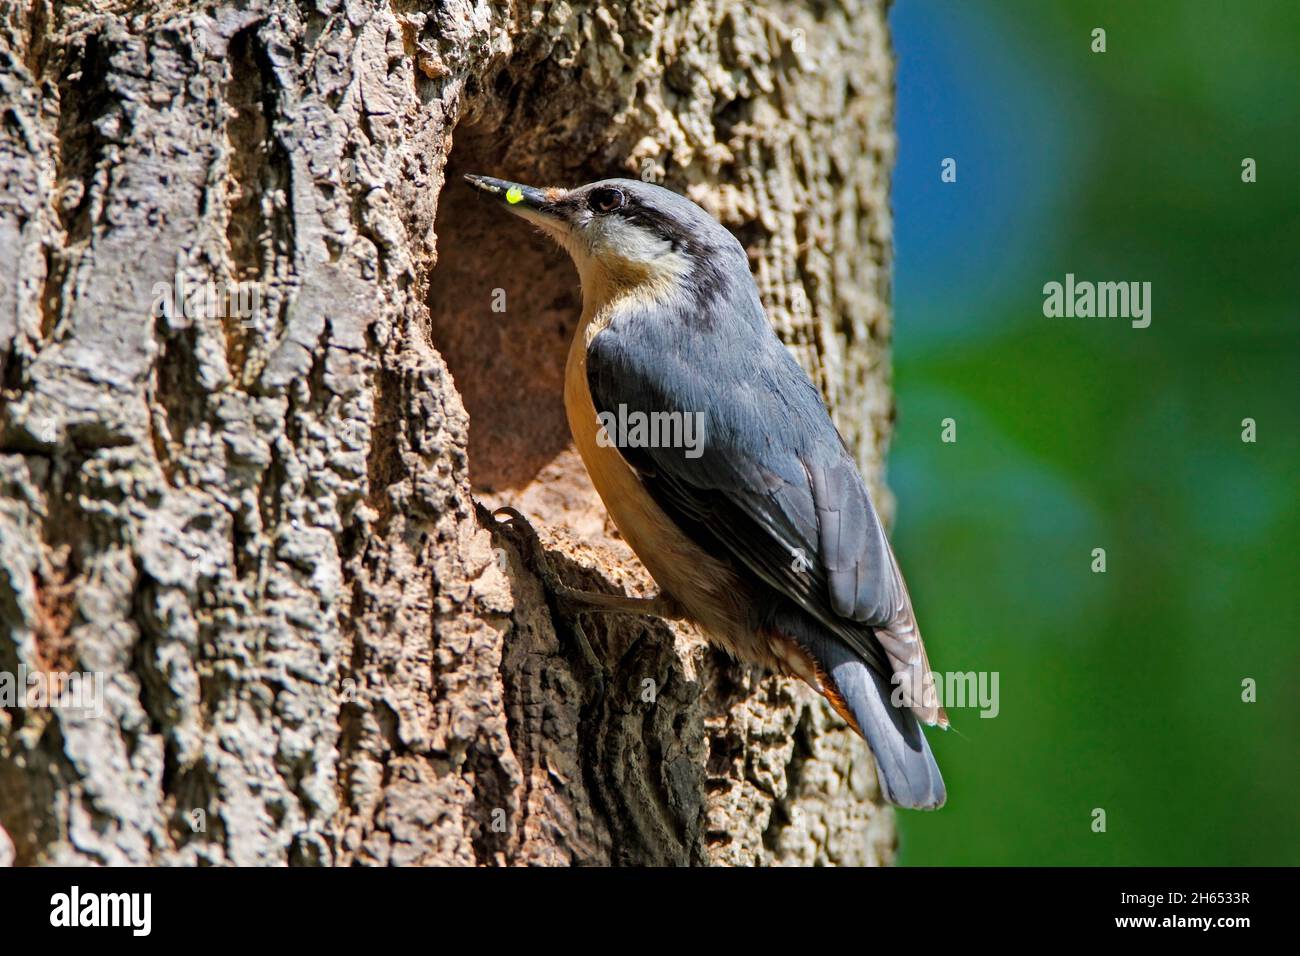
(909, 775)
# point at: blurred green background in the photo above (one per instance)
(1122, 690)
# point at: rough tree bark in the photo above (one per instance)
(268, 538)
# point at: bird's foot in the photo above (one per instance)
(560, 595)
(572, 601)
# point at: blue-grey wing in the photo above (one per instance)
(772, 485)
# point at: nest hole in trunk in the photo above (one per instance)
(504, 303)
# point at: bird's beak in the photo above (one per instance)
(527, 201)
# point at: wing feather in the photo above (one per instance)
(774, 489)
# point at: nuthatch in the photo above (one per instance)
(766, 537)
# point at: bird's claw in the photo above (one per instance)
(535, 556)
(566, 600)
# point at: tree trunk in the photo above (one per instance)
(261, 523)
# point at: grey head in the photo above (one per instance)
(625, 234)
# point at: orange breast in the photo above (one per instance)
(708, 590)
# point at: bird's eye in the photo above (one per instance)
(607, 199)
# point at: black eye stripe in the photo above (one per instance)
(680, 238)
(636, 211)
